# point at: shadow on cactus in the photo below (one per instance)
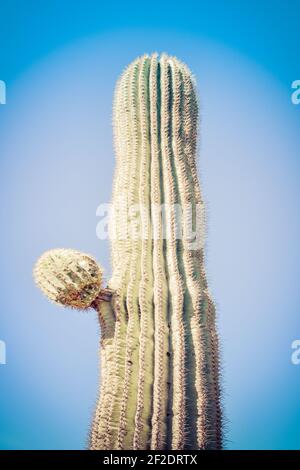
(159, 385)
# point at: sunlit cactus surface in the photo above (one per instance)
(159, 386)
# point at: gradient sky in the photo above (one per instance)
(60, 62)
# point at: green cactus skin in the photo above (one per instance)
(159, 346)
(160, 362)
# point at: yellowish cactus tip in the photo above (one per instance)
(68, 277)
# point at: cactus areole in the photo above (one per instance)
(159, 386)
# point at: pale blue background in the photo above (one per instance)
(60, 60)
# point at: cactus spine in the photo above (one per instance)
(159, 346)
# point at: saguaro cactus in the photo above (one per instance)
(159, 346)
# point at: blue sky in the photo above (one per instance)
(60, 62)
(266, 31)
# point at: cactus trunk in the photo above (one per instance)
(159, 346)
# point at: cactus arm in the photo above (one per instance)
(98, 436)
(118, 371)
(159, 345)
